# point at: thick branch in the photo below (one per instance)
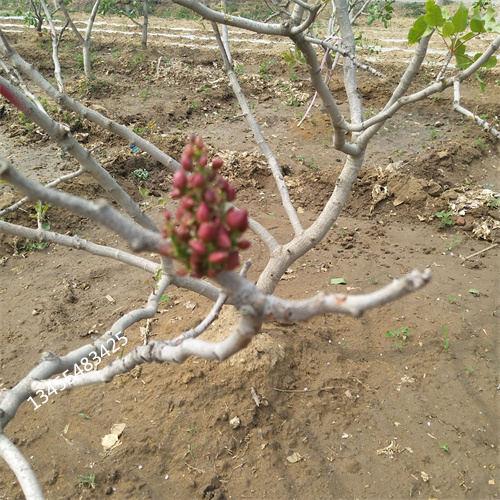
(21, 468)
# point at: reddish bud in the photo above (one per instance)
(182, 233)
(223, 183)
(195, 262)
(217, 163)
(199, 143)
(187, 219)
(233, 261)
(175, 194)
(179, 179)
(181, 272)
(198, 247)
(167, 214)
(207, 231)
(203, 161)
(223, 240)
(192, 139)
(166, 250)
(244, 244)
(196, 180)
(209, 196)
(212, 273)
(203, 213)
(237, 219)
(218, 257)
(187, 203)
(230, 193)
(186, 163)
(179, 212)
(189, 149)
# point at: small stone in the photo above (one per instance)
(235, 422)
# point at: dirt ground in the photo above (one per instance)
(345, 410)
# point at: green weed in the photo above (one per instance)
(140, 173)
(444, 220)
(86, 481)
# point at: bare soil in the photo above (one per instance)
(345, 411)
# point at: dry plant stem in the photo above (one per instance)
(21, 468)
(259, 138)
(70, 104)
(55, 46)
(52, 184)
(139, 238)
(460, 109)
(255, 308)
(68, 143)
(79, 244)
(481, 251)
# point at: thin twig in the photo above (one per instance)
(481, 251)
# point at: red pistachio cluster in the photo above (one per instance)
(203, 235)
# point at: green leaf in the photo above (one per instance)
(429, 5)
(3, 182)
(463, 61)
(449, 29)
(477, 23)
(481, 82)
(434, 17)
(45, 226)
(467, 36)
(337, 281)
(419, 29)
(460, 18)
(489, 21)
(490, 63)
(474, 292)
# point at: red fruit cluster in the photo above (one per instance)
(203, 235)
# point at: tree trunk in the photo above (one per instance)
(144, 35)
(87, 67)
